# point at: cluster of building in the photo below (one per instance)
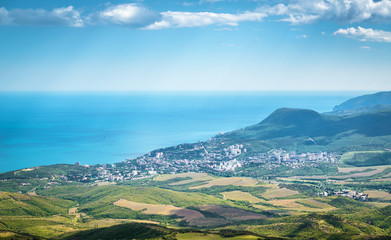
(200, 157)
(234, 150)
(227, 166)
(347, 193)
(276, 158)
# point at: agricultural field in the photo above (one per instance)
(234, 181)
(231, 213)
(379, 195)
(215, 203)
(215, 215)
(192, 177)
(241, 196)
(159, 209)
(204, 180)
(302, 205)
(275, 193)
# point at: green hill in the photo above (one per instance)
(292, 116)
(99, 201)
(301, 130)
(9, 235)
(86, 194)
(319, 226)
(366, 101)
(70, 171)
(148, 231)
(14, 204)
(123, 231)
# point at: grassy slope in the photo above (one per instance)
(98, 201)
(123, 231)
(48, 172)
(316, 226)
(152, 195)
(29, 216)
(14, 204)
(291, 129)
(369, 158)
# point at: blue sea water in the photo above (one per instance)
(42, 128)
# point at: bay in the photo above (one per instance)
(43, 128)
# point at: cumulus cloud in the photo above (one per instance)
(130, 15)
(304, 11)
(135, 15)
(66, 16)
(365, 34)
(199, 19)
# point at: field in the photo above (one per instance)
(379, 195)
(231, 213)
(215, 215)
(159, 209)
(204, 180)
(240, 196)
(276, 192)
(235, 181)
(280, 207)
(302, 205)
(194, 177)
(346, 173)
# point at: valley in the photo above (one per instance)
(297, 174)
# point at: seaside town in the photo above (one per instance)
(154, 163)
(196, 158)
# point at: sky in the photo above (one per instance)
(195, 45)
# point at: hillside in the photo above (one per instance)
(14, 204)
(301, 129)
(369, 101)
(70, 171)
(298, 174)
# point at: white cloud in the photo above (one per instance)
(304, 11)
(66, 16)
(4, 17)
(366, 47)
(365, 34)
(131, 15)
(137, 16)
(302, 36)
(199, 19)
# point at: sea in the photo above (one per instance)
(43, 128)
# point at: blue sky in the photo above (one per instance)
(89, 45)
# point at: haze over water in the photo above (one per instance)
(67, 127)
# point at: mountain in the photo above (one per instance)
(292, 116)
(370, 102)
(299, 128)
(229, 187)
